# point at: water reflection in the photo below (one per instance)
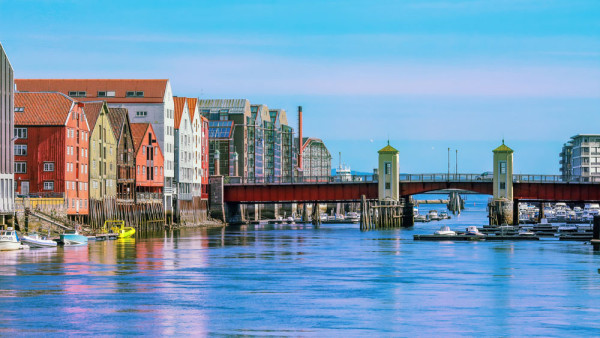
(301, 280)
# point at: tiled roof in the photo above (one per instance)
(117, 116)
(154, 90)
(138, 131)
(180, 104)
(192, 107)
(92, 112)
(42, 108)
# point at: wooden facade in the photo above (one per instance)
(149, 179)
(103, 152)
(119, 120)
(52, 152)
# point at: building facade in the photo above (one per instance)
(147, 101)
(580, 158)
(316, 160)
(119, 120)
(149, 163)
(102, 151)
(7, 198)
(228, 134)
(52, 151)
(184, 150)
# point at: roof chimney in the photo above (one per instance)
(300, 137)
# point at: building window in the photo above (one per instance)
(502, 185)
(19, 109)
(20, 167)
(48, 166)
(502, 167)
(21, 133)
(388, 185)
(141, 113)
(49, 185)
(77, 94)
(388, 168)
(134, 94)
(20, 149)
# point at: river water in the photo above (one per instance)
(302, 281)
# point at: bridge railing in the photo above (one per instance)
(296, 180)
(445, 178)
(554, 179)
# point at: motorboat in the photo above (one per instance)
(560, 215)
(9, 240)
(118, 227)
(433, 215)
(421, 218)
(444, 215)
(37, 241)
(445, 231)
(290, 220)
(353, 217)
(72, 237)
(526, 233)
(473, 231)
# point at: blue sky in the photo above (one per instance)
(427, 74)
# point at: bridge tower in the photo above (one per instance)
(501, 208)
(389, 173)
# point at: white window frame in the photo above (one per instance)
(49, 185)
(21, 164)
(49, 166)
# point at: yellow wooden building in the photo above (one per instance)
(103, 152)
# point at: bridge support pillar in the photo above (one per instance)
(270, 211)
(515, 216)
(216, 204)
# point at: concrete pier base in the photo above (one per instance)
(501, 212)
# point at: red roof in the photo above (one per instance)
(192, 107)
(138, 132)
(153, 90)
(92, 112)
(179, 108)
(42, 108)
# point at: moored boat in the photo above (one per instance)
(72, 237)
(36, 241)
(9, 240)
(445, 231)
(473, 231)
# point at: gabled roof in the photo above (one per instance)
(118, 117)
(92, 111)
(180, 107)
(138, 133)
(192, 104)
(42, 108)
(154, 90)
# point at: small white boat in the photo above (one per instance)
(433, 215)
(37, 241)
(9, 240)
(473, 231)
(525, 232)
(353, 217)
(290, 220)
(445, 231)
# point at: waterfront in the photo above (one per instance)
(298, 280)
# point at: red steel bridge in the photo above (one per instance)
(541, 188)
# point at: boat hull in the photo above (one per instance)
(72, 240)
(127, 233)
(9, 246)
(38, 243)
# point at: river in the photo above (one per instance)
(304, 281)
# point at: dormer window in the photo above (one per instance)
(106, 94)
(19, 109)
(134, 94)
(77, 94)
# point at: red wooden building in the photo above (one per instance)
(149, 162)
(51, 152)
